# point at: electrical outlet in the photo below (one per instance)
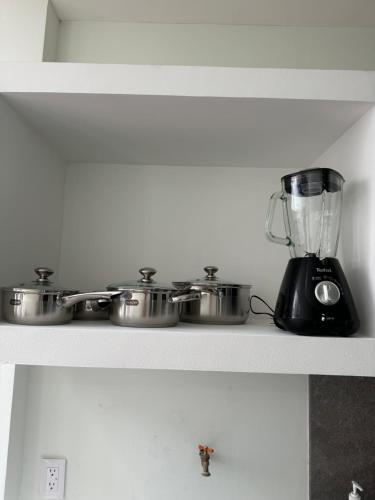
(52, 478)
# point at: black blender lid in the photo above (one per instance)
(313, 182)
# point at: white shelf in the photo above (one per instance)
(176, 115)
(254, 347)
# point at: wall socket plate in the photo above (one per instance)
(52, 478)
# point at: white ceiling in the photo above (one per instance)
(155, 130)
(258, 12)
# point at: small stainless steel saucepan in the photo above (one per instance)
(222, 302)
(141, 303)
(37, 302)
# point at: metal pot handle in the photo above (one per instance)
(269, 220)
(186, 297)
(70, 300)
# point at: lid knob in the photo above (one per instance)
(211, 271)
(147, 273)
(43, 273)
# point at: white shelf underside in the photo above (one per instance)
(199, 116)
(253, 347)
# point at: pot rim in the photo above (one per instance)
(36, 291)
(140, 289)
(208, 285)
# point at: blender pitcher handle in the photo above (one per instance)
(269, 220)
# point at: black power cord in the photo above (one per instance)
(265, 303)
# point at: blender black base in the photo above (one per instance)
(299, 311)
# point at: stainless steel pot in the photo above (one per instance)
(37, 302)
(222, 302)
(141, 303)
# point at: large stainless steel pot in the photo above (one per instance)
(37, 302)
(222, 302)
(141, 303)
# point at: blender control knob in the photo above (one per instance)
(327, 293)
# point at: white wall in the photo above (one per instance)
(133, 434)
(354, 156)
(22, 27)
(217, 45)
(7, 373)
(177, 219)
(16, 387)
(51, 34)
(31, 200)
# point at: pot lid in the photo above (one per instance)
(144, 283)
(41, 285)
(210, 280)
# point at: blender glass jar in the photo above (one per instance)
(312, 203)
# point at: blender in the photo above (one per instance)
(314, 298)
